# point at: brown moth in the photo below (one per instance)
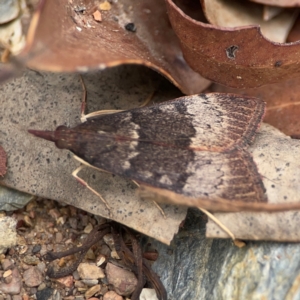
(193, 146)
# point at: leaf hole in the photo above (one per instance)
(231, 51)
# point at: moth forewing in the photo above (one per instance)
(190, 151)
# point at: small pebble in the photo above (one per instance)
(33, 277)
(7, 273)
(111, 295)
(123, 280)
(58, 237)
(25, 297)
(44, 294)
(56, 295)
(90, 282)
(92, 291)
(105, 251)
(42, 286)
(79, 284)
(54, 213)
(109, 240)
(73, 223)
(36, 248)
(43, 250)
(16, 297)
(88, 271)
(41, 266)
(32, 291)
(14, 287)
(76, 275)
(28, 221)
(100, 260)
(6, 264)
(8, 279)
(88, 228)
(148, 294)
(67, 281)
(31, 205)
(31, 260)
(90, 255)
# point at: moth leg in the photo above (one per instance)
(83, 102)
(237, 242)
(154, 202)
(74, 174)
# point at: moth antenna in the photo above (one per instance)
(47, 135)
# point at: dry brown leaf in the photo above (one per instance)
(276, 156)
(75, 42)
(283, 105)
(239, 57)
(294, 34)
(234, 13)
(2, 162)
(283, 3)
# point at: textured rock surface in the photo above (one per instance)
(11, 199)
(197, 268)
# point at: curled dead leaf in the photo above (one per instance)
(239, 57)
(75, 42)
(282, 3)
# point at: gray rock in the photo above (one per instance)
(11, 199)
(194, 267)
